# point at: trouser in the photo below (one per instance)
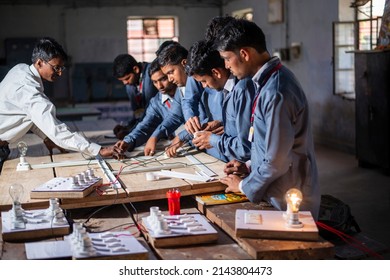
(4, 152)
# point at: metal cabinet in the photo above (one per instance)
(372, 85)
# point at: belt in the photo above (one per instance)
(3, 143)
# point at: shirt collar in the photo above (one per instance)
(263, 71)
(36, 74)
(164, 98)
(182, 91)
(229, 85)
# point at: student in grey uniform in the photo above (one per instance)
(282, 155)
(172, 61)
(206, 66)
(139, 88)
(153, 126)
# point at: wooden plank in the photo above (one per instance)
(223, 216)
(270, 224)
(65, 193)
(29, 180)
(224, 248)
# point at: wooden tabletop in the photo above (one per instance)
(137, 194)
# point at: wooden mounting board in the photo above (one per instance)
(181, 237)
(41, 192)
(270, 249)
(63, 249)
(272, 225)
(29, 180)
(32, 231)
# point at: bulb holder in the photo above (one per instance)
(23, 165)
(293, 220)
(17, 216)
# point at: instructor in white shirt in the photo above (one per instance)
(24, 105)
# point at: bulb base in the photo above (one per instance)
(23, 165)
(293, 221)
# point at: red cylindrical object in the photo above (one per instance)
(174, 202)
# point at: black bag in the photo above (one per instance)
(336, 214)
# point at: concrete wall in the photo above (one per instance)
(99, 34)
(94, 34)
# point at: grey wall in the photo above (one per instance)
(94, 34)
(99, 34)
(310, 23)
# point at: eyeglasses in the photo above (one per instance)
(57, 68)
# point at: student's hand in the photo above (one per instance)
(192, 125)
(236, 167)
(175, 144)
(50, 145)
(232, 182)
(215, 127)
(119, 150)
(150, 146)
(106, 151)
(202, 140)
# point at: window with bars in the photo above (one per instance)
(145, 35)
(361, 34)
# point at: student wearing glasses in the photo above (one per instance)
(24, 105)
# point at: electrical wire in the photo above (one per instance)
(349, 240)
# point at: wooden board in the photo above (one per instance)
(223, 216)
(271, 224)
(132, 249)
(224, 248)
(39, 192)
(29, 180)
(181, 237)
(32, 231)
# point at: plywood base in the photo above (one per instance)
(33, 231)
(272, 225)
(62, 188)
(179, 234)
(131, 249)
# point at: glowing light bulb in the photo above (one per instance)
(293, 198)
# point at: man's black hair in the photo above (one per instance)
(240, 33)
(172, 54)
(124, 65)
(164, 45)
(202, 58)
(154, 67)
(215, 25)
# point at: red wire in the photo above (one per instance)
(99, 191)
(346, 238)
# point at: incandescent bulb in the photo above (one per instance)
(22, 147)
(293, 198)
(16, 192)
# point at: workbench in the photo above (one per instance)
(138, 195)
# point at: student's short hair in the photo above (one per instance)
(202, 58)
(164, 45)
(172, 54)
(46, 49)
(123, 65)
(154, 67)
(240, 33)
(215, 25)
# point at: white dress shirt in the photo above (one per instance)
(24, 107)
